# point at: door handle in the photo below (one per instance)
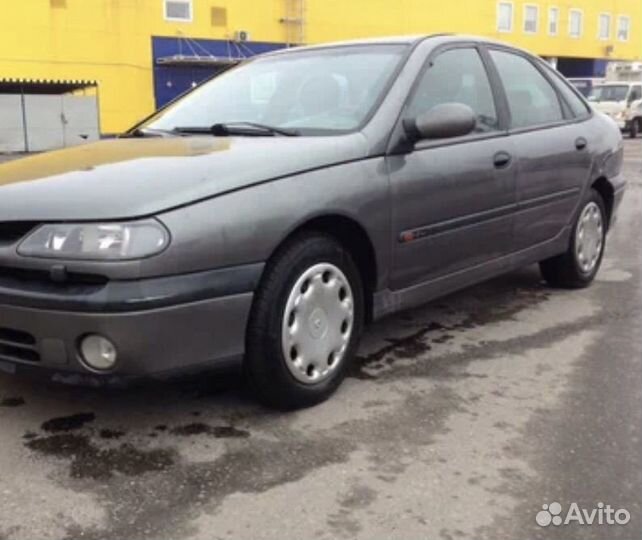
(581, 143)
(502, 159)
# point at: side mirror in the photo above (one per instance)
(442, 122)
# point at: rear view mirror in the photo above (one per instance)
(442, 122)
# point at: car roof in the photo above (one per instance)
(387, 40)
(439, 39)
(391, 40)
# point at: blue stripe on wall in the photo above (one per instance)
(582, 67)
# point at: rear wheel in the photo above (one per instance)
(578, 266)
(305, 324)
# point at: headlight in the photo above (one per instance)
(96, 241)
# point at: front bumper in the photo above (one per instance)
(160, 327)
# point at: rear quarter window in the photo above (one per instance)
(579, 108)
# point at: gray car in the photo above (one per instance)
(265, 217)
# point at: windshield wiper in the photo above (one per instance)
(145, 132)
(250, 129)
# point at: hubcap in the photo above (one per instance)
(589, 238)
(317, 323)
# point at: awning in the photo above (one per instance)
(193, 52)
(43, 86)
(197, 60)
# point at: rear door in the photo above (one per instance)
(452, 199)
(552, 149)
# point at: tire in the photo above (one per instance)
(571, 269)
(635, 128)
(315, 324)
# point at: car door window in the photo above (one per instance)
(457, 76)
(636, 93)
(531, 98)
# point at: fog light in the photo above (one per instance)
(98, 352)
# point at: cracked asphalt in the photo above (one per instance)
(459, 420)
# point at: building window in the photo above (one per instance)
(531, 16)
(553, 21)
(575, 23)
(178, 10)
(604, 27)
(219, 16)
(505, 17)
(623, 27)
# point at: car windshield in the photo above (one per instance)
(609, 92)
(321, 91)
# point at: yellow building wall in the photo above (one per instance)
(110, 40)
(341, 19)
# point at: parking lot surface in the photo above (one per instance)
(459, 420)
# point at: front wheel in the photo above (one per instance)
(579, 265)
(305, 324)
(635, 128)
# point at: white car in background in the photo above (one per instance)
(621, 101)
(636, 120)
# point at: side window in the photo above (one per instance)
(457, 76)
(531, 98)
(578, 107)
(636, 93)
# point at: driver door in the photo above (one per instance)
(453, 200)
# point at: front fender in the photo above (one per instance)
(248, 225)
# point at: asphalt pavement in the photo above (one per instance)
(459, 420)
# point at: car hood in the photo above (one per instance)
(126, 178)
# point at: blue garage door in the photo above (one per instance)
(172, 80)
(582, 67)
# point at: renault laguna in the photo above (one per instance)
(264, 218)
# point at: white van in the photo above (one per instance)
(620, 101)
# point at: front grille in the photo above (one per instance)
(18, 345)
(12, 231)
